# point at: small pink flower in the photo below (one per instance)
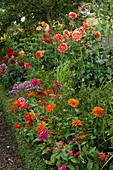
(63, 167)
(74, 140)
(42, 103)
(21, 53)
(36, 81)
(56, 93)
(77, 154)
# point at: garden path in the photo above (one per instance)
(9, 156)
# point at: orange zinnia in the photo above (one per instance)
(29, 124)
(76, 123)
(23, 106)
(16, 103)
(40, 128)
(73, 102)
(50, 107)
(98, 111)
(48, 91)
(31, 94)
(30, 107)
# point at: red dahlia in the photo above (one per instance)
(21, 63)
(9, 50)
(15, 54)
(12, 61)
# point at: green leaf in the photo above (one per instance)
(45, 150)
(51, 162)
(71, 167)
(90, 164)
(74, 160)
(100, 62)
(64, 155)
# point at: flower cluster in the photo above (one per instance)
(103, 157)
(26, 86)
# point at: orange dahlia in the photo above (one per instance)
(16, 103)
(76, 122)
(40, 128)
(73, 102)
(50, 107)
(98, 111)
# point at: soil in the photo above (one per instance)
(9, 156)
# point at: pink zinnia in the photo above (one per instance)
(63, 47)
(74, 140)
(63, 167)
(39, 54)
(43, 135)
(22, 100)
(72, 15)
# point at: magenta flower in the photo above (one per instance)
(102, 157)
(22, 100)
(43, 135)
(74, 140)
(63, 167)
(36, 81)
(46, 39)
(42, 103)
(77, 154)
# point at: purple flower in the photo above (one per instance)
(63, 167)
(74, 140)
(43, 135)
